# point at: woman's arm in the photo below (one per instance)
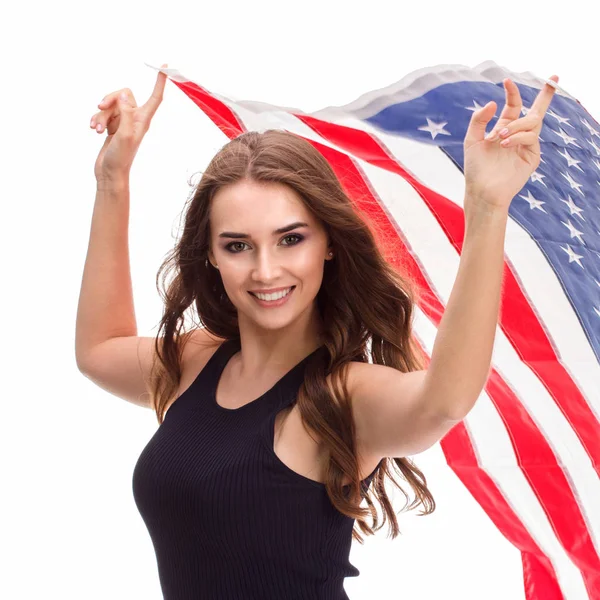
(462, 351)
(105, 307)
(106, 298)
(495, 171)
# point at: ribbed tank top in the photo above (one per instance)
(227, 518)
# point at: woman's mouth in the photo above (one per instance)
(278, 301)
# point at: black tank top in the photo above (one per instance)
(227, 518)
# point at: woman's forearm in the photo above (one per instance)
(462, 351)
(105, 307)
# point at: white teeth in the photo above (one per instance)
(274, 296)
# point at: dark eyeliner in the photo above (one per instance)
(296, 235)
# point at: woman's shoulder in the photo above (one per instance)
(198, 347)
(199, 339)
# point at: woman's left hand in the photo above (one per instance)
(495, 172)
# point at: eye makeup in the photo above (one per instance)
(299, 238)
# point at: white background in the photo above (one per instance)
(70, 528)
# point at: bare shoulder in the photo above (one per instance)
(198, 347)
(394, 417)
(200, 340)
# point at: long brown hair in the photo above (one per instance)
(363, 302)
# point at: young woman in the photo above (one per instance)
(273, 422)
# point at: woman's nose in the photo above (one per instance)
(266, 267)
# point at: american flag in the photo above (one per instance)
(529, 451)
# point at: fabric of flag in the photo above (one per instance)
(529, 451)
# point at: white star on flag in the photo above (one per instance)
(434, 128)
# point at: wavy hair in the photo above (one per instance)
(365, 304)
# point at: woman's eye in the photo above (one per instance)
(230, 246)
(297, 236)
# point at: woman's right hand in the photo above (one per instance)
(125, 124)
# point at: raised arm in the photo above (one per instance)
(106, 307)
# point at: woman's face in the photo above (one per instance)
(253, 256)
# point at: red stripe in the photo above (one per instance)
(218, 112)
(528, 442)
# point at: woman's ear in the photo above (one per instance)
(211, 258)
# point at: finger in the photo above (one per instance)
(479, 121)
(156, 97)
(125, 126)
(525, 138)
(111, 99)
(544, 98)
(531, 122)
(101, 120)
(108, 117)
(498, 126)
(514, 104)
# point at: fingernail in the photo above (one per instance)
(123, 96)
(504, 132)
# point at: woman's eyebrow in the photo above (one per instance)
(235, 234)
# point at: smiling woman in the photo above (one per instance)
(293, 228)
